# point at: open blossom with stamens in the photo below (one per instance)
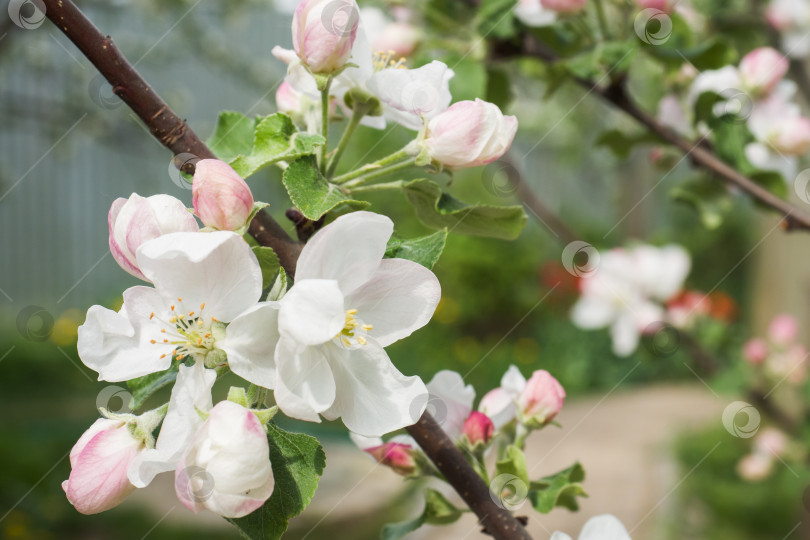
(346, 304)
(201, 281)
(139, 219)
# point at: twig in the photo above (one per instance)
(173, 132)
(617, 95)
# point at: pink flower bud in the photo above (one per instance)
(137, 220)
(793, 136)
(323, 32)
(783, 330)
(564, 6)
(541, 399)
(288, 99)
(469, 134)
(755, 351)
(778, 16)
(770, 442)
(754, 467)
(478, 428)
(661, 5)
(226, 468)
(399, 38)
(398, 456)
(99, 462)
(762, 69)
(221, 198)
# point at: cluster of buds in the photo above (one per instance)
(780, 356)
(769, 445)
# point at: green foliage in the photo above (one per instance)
(710, 198)
(611, 59)
(514, 464)
(440, 210)
(499, 88)
(311, 193)
(268, 262)
(684, 45)
(425, 250)
(250, 145)
(497, 18)
(621, 143)
(298, 462)
(561, 489)
(143, 387)
(438, 511)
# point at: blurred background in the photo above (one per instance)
(647, 428)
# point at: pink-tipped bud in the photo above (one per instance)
(99, 461)
(770, 442)
(478, 428)
(564, 6)
(137, 220)
(469, 134)
(541, 399)
(323, 32)
(755, 351)
(783, 330)
(793, 136)
(780, 16)
(661, 5)
(762, 69)
(288, 99)
(754, 467)
(221, 198)
(398, 456)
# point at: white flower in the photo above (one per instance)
(626, 290)
(201, 281)
(792, 19)
(533, 13)
(347, 303)
(604, 527)
(450, 401)
(500, 403)
(226, 468)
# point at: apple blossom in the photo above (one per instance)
(450, 401)
(541, 399)
(99, 463)
(790, 363)
(778, 124)
(469, 134)
(762, 69)
(139, 219)
(755, 351)
(500, 404)
(783, 329)
(221, 198)
(533, 13)
(399, 453)
(323, 32)
(604, 527)
(398, 37)
(755, 467)
(771, 442)
(346, 304)
(288, 99)
(792, 19)
(478, 428)
(226, 467)
(626, 290)
(673, 114)
(661, 5)
(564, 6)
(201, 281)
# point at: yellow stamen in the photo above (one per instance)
(346, 341)
(368, 327)
(361, 340)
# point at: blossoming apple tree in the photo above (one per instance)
(304, 323)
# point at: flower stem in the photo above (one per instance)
(325, 122)
(357, 115)
(397, 184)
(600, 14)
(381, 171)
(371, 167)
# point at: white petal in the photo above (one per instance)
(604, 527)
(716, 81)
(305, 385)
(348, 250)
(513, 381)
(450, 401)
(399, 299)
(250, 342)
(191, 391)
(625, 335)
(592, 312)
(365, 442)
(215, 268)
(560, 536)
(312, 312)
(373, 397)
(410, 94)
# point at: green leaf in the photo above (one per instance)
(682, 45)
(268, 262)
(470, 80)
(613, 58)
(143, 387)
(275, 138)
(710, 198)
(499, 88)
(514, 464)
(497, 19)
(298, 461)
(310, 192)
(425, 250)
(440, 210)
(232, 136)
(621, 143)
(438, 511)
(561, 489)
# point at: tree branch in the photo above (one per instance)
(168, 128)
(495, 520)
(173, 132)
(616, 94)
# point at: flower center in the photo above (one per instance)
(387, 60)
(189, 331)
(353, 330)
